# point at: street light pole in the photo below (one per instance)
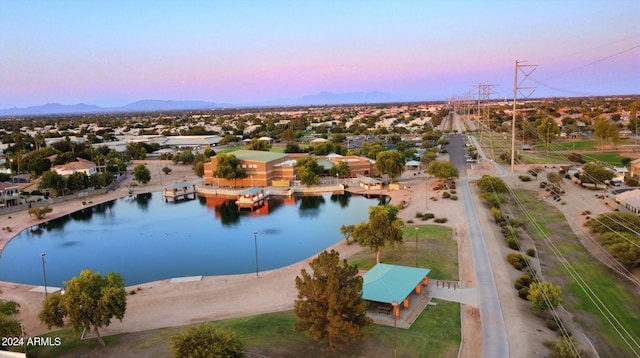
(44, 274)
(417, 246)
(255, 242)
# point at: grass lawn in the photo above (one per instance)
(436, 251)
(436, 333)
(596, 283)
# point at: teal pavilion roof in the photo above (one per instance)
(388, 283)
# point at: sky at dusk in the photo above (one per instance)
(114, 52)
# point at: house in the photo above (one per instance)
(9, 194)
(81, 165)
(629, 200)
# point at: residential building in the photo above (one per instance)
(9, 194)
(81, 165)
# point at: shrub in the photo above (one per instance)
(440, 220)
(418, 214)
(531, 252)
(509, 230)
(409, 221)
(552, 324)
(513, 243)
(454, 197)
(518, 261)
(428, 216)
(543, 184)
(453, 192)
(523, 293)
(524, 281)
(525, 178)
(446, 195)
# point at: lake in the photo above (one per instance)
(146, 239)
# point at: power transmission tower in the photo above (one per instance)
(516, 87)
(484, 122)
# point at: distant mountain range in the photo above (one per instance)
(322, 98)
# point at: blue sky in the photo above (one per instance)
(116, 52)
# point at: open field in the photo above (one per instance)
(600, 301)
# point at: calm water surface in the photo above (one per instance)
(145, 239)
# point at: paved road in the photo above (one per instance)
(495, 342)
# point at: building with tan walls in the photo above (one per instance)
(263, 168)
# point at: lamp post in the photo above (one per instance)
(255, 242)
(337, 180)
(417, 245)
(44, 274)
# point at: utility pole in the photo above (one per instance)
(516, 87)
(484, 93)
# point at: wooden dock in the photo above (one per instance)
(251, 198)
(180, 191)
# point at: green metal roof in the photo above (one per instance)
(388, 283)
(257, 155)
(250, 191)
(325, 164)
(183, 184)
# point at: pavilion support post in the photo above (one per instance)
(405, 303)
(425, 281)
(396, 309)
(418, 289)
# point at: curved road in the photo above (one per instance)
(495, 342)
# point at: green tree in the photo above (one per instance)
(548, 130)
(491, 184)
(595, 173)
(347, 230)
(257, 144)
(604, 130)
(309, 170)
(89, 301)
(78, 181)
(52, 180)
(204, 341)
(391, 163)
(39, 213)
(229, 167)
(371, 149)
(166, 170)
(342, 169)
(198, 169)
(136, 151)
(9, 325)
(330, 305)
(383, 228)
(626, 252)
(544, 296)
(442, 170)
(617, 222)
(142, 174)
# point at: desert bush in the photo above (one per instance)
(523, 293)
(440, 220)
(531, 252)
(453, 197)
(446, 195)
(524, 178)
(518, 261)
(418, 214)
(513, 243)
